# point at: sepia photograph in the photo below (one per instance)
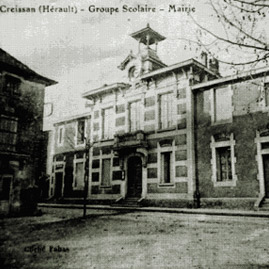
(134, 134)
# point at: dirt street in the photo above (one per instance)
(60, 238)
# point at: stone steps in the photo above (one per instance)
(129, 202)
(265, 205)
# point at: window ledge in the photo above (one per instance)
(80, 145)
(78, 188)
(166, 185)
(222, 122)
(106, 139)
(225, 183)
(105, 187)
(166, 129)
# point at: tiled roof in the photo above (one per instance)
(11, 64)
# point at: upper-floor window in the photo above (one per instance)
(8, 133)
(266, 93)
(60, 139)
(222, 104)
(81, 132)
(166, 110)
(108, 123)
(135, 116)
(12, 85)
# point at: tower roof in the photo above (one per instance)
(149, 33)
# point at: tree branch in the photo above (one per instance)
(230, 41)
(236, 27)
(254, 3)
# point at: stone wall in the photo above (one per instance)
(249, 116)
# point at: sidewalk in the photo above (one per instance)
(202, 211)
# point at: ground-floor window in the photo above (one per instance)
(5, 187)
(105, 180)
(79, 176)
(166, 167)
(223, 160)
(224, 165)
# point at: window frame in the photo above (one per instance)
(162, 181)
(173, 117)
(102, 160)
(162, 149)
(129, 116)
(60, 142)
(77, 161)
(85, 133)
(8, 128)
(223, 144)
(224, 153)
(266, 94)
(14, 87)
(112, 122)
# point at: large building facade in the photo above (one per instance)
(22, 142)
(176, 135)
(138, 133)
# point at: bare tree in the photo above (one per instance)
(240, 37)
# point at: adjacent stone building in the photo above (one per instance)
(22, 142)
(232, 136)
(70, 156)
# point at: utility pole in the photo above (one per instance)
(86, 176)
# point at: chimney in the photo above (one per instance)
(214, 65)
(203, 58)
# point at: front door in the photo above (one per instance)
(266, 174)
(134, 177)
(58, 184)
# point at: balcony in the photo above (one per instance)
(129, 141)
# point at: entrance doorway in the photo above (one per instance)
(134, 176)
(266, 174)
(58, 184)
(5, 184)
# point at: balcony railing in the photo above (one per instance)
(130, 140)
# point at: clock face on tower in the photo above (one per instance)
(134, 71)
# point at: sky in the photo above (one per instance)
(82, 51)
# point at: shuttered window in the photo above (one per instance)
(79, 176)
(167, 115)
(135, 116)
(60, 135)
(106, 163)
(222, 104)
(80, 132)
(108, 123)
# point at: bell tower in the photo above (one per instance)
(146, 60)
